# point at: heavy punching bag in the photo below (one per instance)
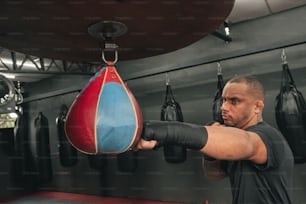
(290, 113)
(18, 161)
(24, 164)
(216, 109)
(7, 141)
(127, 161)
(171, 111)
(8, 151)
(43, 148)
(105, 118)
(217, 102)
(96, 161)
(67, 153)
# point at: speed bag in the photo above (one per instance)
(105, 117)
(217, 103)
(290, 113)
(67, 153)
(171, 111)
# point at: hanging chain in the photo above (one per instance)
(219, 69)
(167, 79)
(18, 96)
(284, 57)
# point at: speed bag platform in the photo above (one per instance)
(105, 117)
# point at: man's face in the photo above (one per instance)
(238, 109)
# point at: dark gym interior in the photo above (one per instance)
(258, 43)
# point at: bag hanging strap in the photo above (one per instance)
(220, 84)
(169, 94)
(287, 79)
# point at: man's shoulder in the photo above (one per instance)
(263, 127)
(267, 133)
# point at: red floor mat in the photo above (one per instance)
(62, 198)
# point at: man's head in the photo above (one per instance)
(243, 101)
(256, 89)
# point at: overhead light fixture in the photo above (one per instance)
(226, 28)
(223, 33)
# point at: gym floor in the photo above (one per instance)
(58, 198)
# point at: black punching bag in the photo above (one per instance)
(290, 113)
(43, 148)
(24, 164)
(216, 109)
(217, 103)
(127, 161)
(67, 153)
(96, 161)
(171, 111)
(20, 136)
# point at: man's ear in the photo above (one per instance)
(259, 106)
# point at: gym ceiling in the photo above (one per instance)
(57, 29)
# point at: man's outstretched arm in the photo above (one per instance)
(220, 142)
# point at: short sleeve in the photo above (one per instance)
(274, 144)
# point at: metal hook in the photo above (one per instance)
(167, 79)
(110, 62)
(109, 46)
(18, 97)
(219, 69)
(283, 56)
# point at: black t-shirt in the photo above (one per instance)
(269, 183)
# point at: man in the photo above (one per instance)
(258, 159)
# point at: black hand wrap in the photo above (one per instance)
(177, 133)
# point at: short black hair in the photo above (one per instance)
(255, 86)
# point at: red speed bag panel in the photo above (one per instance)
(105, 117)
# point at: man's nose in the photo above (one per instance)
(223, 106)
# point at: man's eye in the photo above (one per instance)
(234, 101)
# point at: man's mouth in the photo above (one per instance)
(225, 117)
